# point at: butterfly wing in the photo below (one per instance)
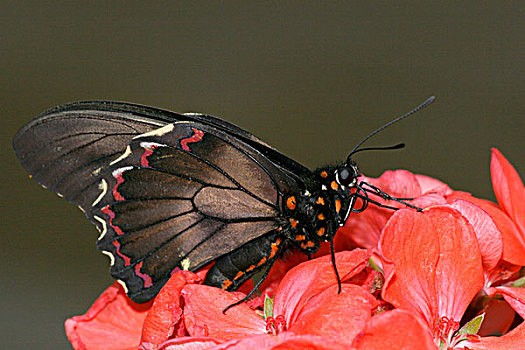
(65, 148)
(180, 197)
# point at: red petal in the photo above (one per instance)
(339, 316)
(112, 322)
(283, 341)
(396, 329)
(514, 296)
(302, 342)
(311, 277)
(432, 263)
(166, 310)
(428, 200)
(489, 237)
(365, 228)
(189, 343)
(512, 340)
(398, 183)
(204, 317)
(508, 188)
(431, 185)
(280, 269)
(513, 243)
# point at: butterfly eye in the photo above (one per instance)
(345, 176)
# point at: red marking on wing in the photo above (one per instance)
(147, 279)
(196, 137)
(116, 194)
(127, 260)
(144, 158)
(148, 150)
(107, 210)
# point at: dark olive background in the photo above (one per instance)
(310, 79)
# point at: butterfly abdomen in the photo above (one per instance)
(231, 271)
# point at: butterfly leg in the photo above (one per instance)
(378, 192)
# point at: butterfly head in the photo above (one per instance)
(338, 185)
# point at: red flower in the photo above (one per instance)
(396, 329)
(433, 269)
(432, 266)
(509, 238)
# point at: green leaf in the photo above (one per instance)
(268, 307)
(374, 265)
(520, 282)
(472, 327)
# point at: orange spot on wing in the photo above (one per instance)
(226, 284)
(320, 200)
(275, 248)
(321, 231)
(238, 275)
(290, 203)
(262, 261)
(250, 268)
(293, 222)
(337, 205)
(320, 216)
(324, 174)
(308, 244)
(300, 237)
(334, 185)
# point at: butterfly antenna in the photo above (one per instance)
(418, 108)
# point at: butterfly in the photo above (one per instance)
(170, 191)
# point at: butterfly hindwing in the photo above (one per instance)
(180, 197)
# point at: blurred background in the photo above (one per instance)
(310, 79)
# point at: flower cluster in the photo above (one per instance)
(448, 277)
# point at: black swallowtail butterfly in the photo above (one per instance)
(171, 191)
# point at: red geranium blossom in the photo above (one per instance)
(433, 268)
(457, 259)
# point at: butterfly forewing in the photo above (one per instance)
(63, 150)
(180, 197)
